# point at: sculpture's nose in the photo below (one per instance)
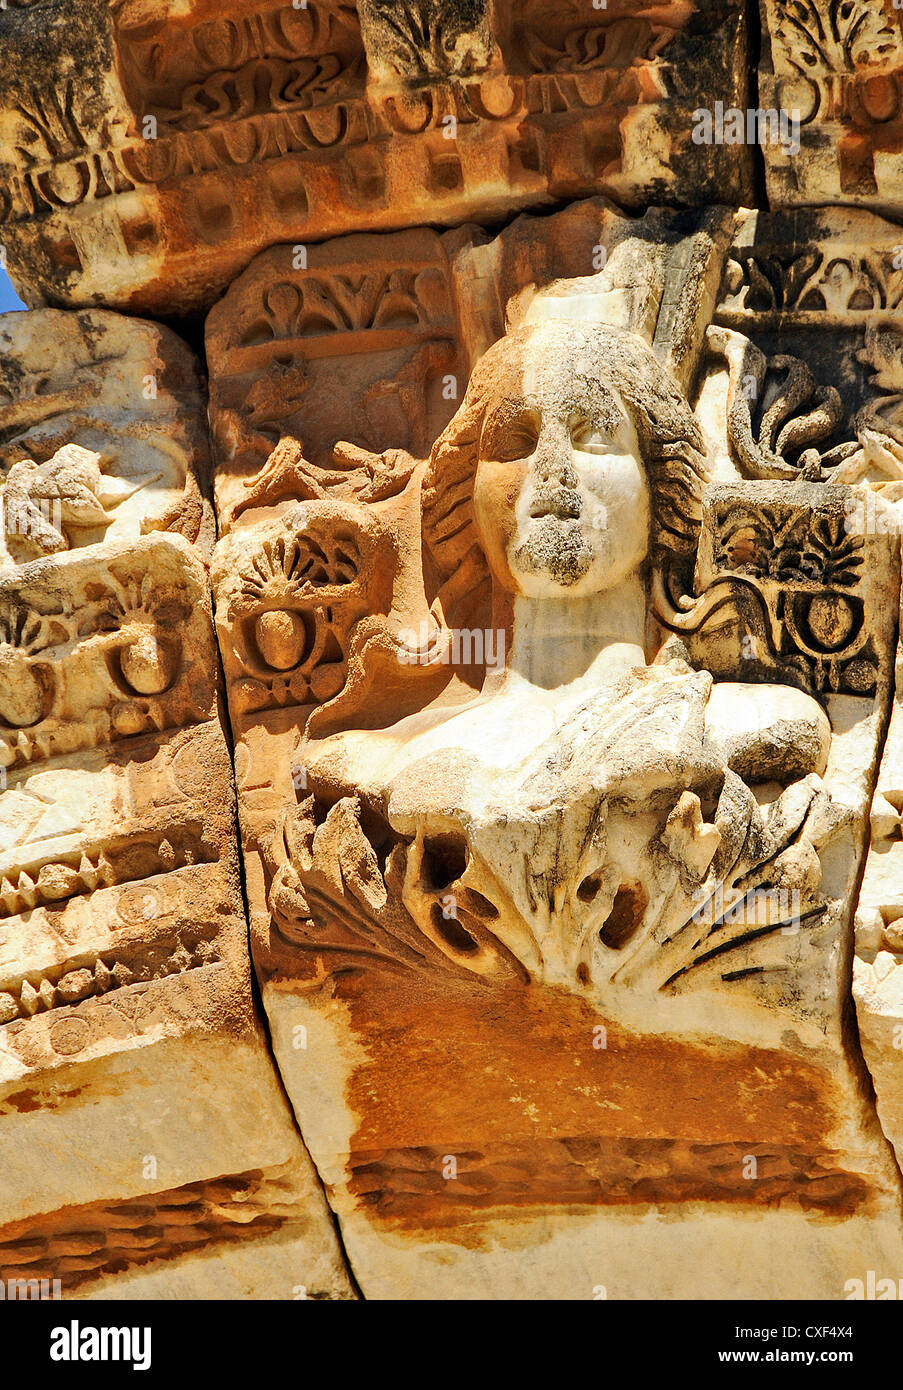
(552, 461)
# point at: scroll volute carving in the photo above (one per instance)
(232, 65)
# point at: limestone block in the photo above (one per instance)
(555, 610)
(131, 1062)
(878, 958)
(835, 71)
(256, 1234)
(150, 151)
(374, 312)
(102, 433)
(658, 275)
(143, 1129)
(553, 886)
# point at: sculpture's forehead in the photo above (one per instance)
(556, 376)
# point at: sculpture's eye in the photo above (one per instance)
(512, 440)
(589, 439)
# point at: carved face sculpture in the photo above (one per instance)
(561, 500)
(572, 454)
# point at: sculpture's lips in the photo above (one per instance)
(560, 503)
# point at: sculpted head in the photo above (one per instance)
(573, 456)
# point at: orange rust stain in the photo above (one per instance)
(510, 1082)
(479, 1065)
(30, 1099)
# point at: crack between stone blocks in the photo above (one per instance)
(257, 998)
(849, 1023)
(754, 45)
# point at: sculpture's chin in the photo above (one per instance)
(555, 549)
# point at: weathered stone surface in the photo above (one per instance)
(142, 1125)
(543, 553)
(878, 959)
(835, 70)
(375, 313)
(563, 922)
(150, 152)
(102, 434)
(246, 1235)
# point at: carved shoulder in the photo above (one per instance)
(767, 732)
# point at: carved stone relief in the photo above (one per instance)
(836, 66)
(451, 739)
(102, 435)
(485, 772)
(210, 132)
(127, 1028)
